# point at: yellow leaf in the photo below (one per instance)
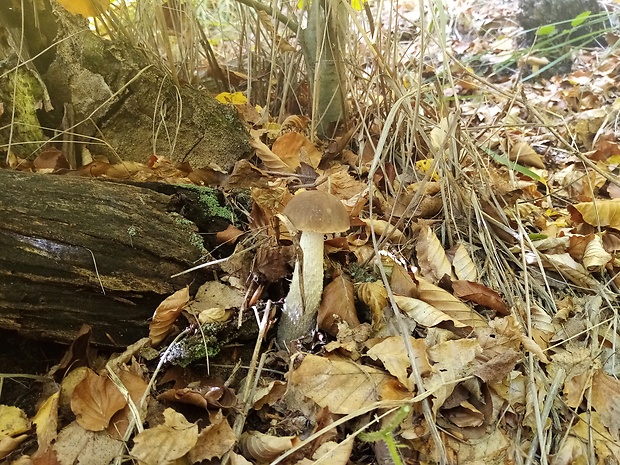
(357, 4)
(86, 8)
(600, 213)
(424, 166)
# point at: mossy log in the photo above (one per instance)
(76, 250)
(104, 95)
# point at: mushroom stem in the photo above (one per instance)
(297, 321)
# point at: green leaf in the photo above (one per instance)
(580, 18)
(546, 30)
(502, 160)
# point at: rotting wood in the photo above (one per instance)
(75, 250)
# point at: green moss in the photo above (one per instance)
(194, 238)
(196, 347)
(209, 202)
(23, 92)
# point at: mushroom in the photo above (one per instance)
(314, 213)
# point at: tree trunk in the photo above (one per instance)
(75, 250)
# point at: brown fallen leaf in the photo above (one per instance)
(393, 354)
(214, 440)
(338, 304)
(165, 443)
(341, 385)
(166, 314)
(479, 294)
(95, 400)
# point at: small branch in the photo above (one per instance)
(288, 22)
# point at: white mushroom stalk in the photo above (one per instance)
(313, 213)
(311, 274)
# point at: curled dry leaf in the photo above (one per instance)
(480, 294)
(269, 394)
(383, 228)
(166, 314)
(434, 264)
(46, 421)
(263, 447)
(95, 400)
(271, 161)
(374, 295)
(338, 304)
(595, 256)
(205, 396)
(571, 270)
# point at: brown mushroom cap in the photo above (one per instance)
(317, 211)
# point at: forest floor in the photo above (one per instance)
(469, 315)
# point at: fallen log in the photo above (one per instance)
(76, 250)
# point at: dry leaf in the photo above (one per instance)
(384, 229)
(595, 257)
(13, 421)
(606, 401)
(393, 354)
(599, 213)
(522, 153)
(164, 444)
(464, 266)
(214, 440)
(374, 295)
(86, 8)
(166, 314)
(269, 394)
(453, 360)
(332, 453)
(263, 447)
(447, 303)
(423, 313)
(434, 264)
(294, 147)
(480, 294)
(338, 304)
(340, 385)
(571, 270)
(271, 160)
(95, 400)
(46, 421)
(75, 445)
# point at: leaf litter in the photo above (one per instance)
(473, 299)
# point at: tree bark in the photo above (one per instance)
(75, 250)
